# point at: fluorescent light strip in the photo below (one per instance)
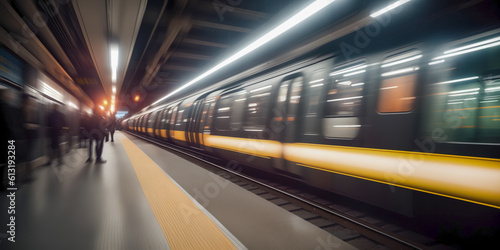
(400, 71)
(468, 50)
(391, 87)
(493, 89)
(436, 62)
(114, 61)
(459, 80)
(346, 98)
(346, 126)
(473, 45)
(73, 105)
(280, 29)
(471, 93)
(347, 70)
(259, 95)
(315, 81)
(317, 85)
(348, 83)
(489, 101)
(357, 84)
(402, 61)
(465, 90)
(259, 89)
(355, 73)
(388, 8)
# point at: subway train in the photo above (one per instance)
(411, 124)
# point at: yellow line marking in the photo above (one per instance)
(183, 223)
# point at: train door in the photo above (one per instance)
(394, 121)
(193, 138)
(171, 127)
(284, 121)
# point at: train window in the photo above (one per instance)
(343, 102)
(208, 123)
(230, 111)
(158, 121)
(281, 101)
(399, 81)
(182, 117)
(313, 93)
(151, 120)
(165, 118)
(295, 94)
(204, 116)
(257, 107)
(463, 102)
(172, 119)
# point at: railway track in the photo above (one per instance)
(361, 230)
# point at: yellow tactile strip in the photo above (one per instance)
(183, 223)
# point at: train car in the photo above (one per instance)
(411, 126)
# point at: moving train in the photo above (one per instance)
(410, 124)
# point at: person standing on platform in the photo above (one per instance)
(112, 127)
(56, 122)
(97, 133)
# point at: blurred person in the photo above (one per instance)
(31, 129)
(112, 127)
(98, 131)
(56, 122)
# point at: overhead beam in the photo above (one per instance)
(175, 27)
(178, 68)
(205, 43)
(205, 24)
(230, 10)
(190, 56)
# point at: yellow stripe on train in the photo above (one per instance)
(467, 178)
(472, 179)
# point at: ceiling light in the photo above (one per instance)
(388, 8)
(277, 31)
(114, 61)
(114, 89)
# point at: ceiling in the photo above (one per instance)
(162, 43)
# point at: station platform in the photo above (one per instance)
(145, 197)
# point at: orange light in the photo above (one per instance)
(136, 98)
(105, 102)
